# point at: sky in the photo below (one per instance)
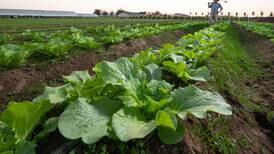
(164, 6)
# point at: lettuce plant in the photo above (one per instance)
(12, 55)
(5, 38)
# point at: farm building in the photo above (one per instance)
(180, 15)
(86, 15)
(131, 14)
(40, 13)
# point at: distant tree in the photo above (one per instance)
(253, 13)
(222, 13)
(111, 13)
(228, 13)
(104, 13)
(165, 16)
(98, 12)
(244, 14)
(236, 14)
(262, 13)
(202, 13)
(190, 13)
(196, 13)
(120, 11)
(271, 14)
(157, 13)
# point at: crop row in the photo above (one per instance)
(264, 29)
(126, 99)
(60, 43)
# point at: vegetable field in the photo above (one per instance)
(138, 87)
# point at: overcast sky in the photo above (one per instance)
(165, 6)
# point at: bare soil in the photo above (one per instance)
(27, 82)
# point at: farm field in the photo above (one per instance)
(8, 25)
(136, 87)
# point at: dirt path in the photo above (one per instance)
(254, 126)
(265, 59)
(27, 82)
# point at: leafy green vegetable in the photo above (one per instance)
(34, 36)
(5, 38)
(87, 121)
(129, 123)
(179, 69)
(264, 29)
(197, 102)
(24, 117)
(170, 136)
(153, 72)
(200, 74)
(56, 47)
(12, 55)
(166, 118)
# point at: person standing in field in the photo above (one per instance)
(215, 7)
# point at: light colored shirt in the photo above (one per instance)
(215, 7)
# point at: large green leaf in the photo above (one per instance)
(23, 117)
(178, 69)
(166, 118)
(170, 136)
(197, 102)
(166, 50)
(153, 72)
(158, 89)
(129, 123)
(87, 121)
(56, 95)
(119, 72)
(77, 77)
(144, 58)
(126, 74)
(177, 59)
(200, 74)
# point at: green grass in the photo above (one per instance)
(232, 67)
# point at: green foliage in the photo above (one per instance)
(264, 29)
(87, 121)
(12, 55)
(34, 36)
(20, 119)
(56, 47)
(58, 44)
(126, 99)
(5, 39)
(198, 102)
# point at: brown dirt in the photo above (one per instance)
(19, 84)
